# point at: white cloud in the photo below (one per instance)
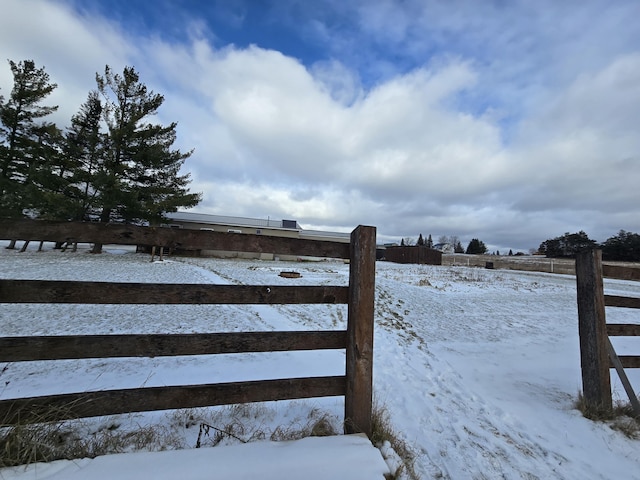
(342, 83)
(275, 138)
(581, 148)
(72, 48)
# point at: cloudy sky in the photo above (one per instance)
(508, 121)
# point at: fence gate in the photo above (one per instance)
(597, 355)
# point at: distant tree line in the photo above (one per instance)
(625, 246)
(112, 164)
(475, 247)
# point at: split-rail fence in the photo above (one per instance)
(357, 340)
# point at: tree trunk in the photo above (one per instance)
(104, 218)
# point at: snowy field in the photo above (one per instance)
(479, 369)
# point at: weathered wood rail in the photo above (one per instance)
(597, 355)
(357, 340)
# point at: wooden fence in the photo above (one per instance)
(417, 254)
(357, 339)
(538, 263)
(597, 355)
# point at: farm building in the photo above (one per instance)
(244, 225)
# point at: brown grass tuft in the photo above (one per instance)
(383, 431)
(621, 417)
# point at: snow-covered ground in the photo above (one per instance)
(479, 369)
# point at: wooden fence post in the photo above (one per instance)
(359, 368)
(594, 359)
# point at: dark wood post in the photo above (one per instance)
(594, 359)
(359, 368)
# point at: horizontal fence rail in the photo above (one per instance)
(112, 402)
(623, 330)
(45, 291)
(118, 234)
(24, 349)
(620, 272)
(356, 340)
(617, 301)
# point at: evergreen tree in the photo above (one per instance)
(84, 147)
(510, 252)
(138, 177)
(430, 242)
(27, 143)
(50, 175)
(567, 245)
(623, 247)
(476, 247)
(420, 241)
(458, 248)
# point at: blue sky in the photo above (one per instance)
(508, 121)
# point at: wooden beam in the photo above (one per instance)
(628, 361)
(111, 402)
(620, 272)
(359, 368)
(108, 233)
(623, 330)
(616, 301)
(48, 291)
(20, 349)
(594, 356)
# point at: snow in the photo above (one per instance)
(312, 457)
(478, 369)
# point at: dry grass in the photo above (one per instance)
(384, 435)
(245, 423)
(50, 440)
(621, 417)
(47, 441)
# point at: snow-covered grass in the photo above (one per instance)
(479, 370)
